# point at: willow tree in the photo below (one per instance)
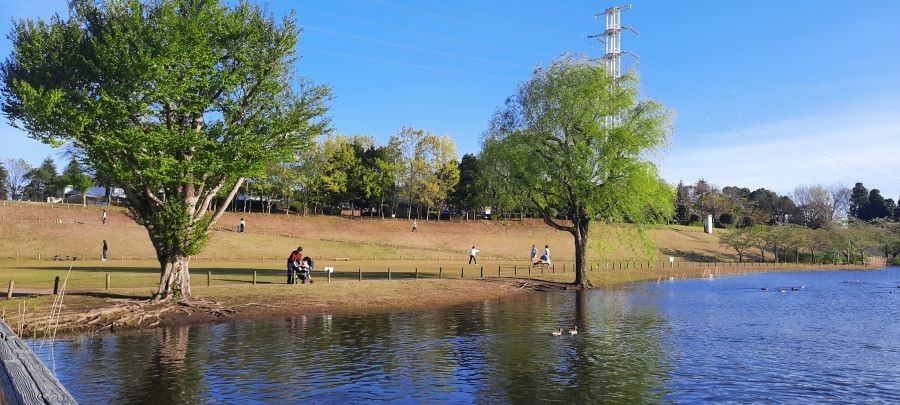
(576, 144)
(178, 101)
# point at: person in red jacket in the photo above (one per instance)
(293, 264)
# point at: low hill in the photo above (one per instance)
(47, 230)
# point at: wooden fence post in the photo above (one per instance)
(254, 277)
(482, 271)
(462, 272)
(389, 274)
(498, 271)
(440, 272)
(56, 285)
(515, 270)
(107, 281)
(9, 290)
(359, 270)
(417, 273)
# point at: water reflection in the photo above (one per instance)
(495, 351)
(691, 341)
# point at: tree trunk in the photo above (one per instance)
(174, 279)
(581, 238)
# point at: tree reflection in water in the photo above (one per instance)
(495, 351)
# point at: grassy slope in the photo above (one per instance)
(32, 230)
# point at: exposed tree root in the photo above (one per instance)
(123, 313)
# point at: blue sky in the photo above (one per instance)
(765, 93)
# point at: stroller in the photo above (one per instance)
(304, 271)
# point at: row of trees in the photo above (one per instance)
(415, 167)
(848, 244)
(812, 206)
(20, 181)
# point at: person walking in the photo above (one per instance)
(103, 217)
(242, 225)
(415, 228)
(533, 253)
(105, 251)
(472, 254)
(547, 255)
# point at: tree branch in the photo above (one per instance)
(228, 198)
(550, 221)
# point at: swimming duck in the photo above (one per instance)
(574, 330)
(557, 333)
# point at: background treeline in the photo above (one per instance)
(813, 224)
(417, 174)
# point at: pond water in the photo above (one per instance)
(834, 337)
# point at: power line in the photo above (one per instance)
(410, 65)
(416, 48)
(463, 22)
(809, 147)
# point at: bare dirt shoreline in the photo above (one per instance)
(121, 310)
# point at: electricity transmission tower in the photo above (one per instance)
(612, 41)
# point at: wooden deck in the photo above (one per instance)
(24, 379)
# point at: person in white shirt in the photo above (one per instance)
(547, 254)
(472, 254)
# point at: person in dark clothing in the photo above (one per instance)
(105, 250)
(293, 264)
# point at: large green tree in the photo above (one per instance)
(178, 101)
(561, 151)
(859, 203)
(878, 207)
(465, 195)
(74, 176)
(43, 182)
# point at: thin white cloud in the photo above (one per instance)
(828, 149)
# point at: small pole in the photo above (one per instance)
(254, 277)
(515, 270)
(417, 273)
(482, 271)
(462, 273)
(564, 267)
(440, 272)
(389, 274)
(498, 271)
(329, 277)
(209, 278)
(56, 285)
(360, 273)
(107, 281)
(9, 291)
